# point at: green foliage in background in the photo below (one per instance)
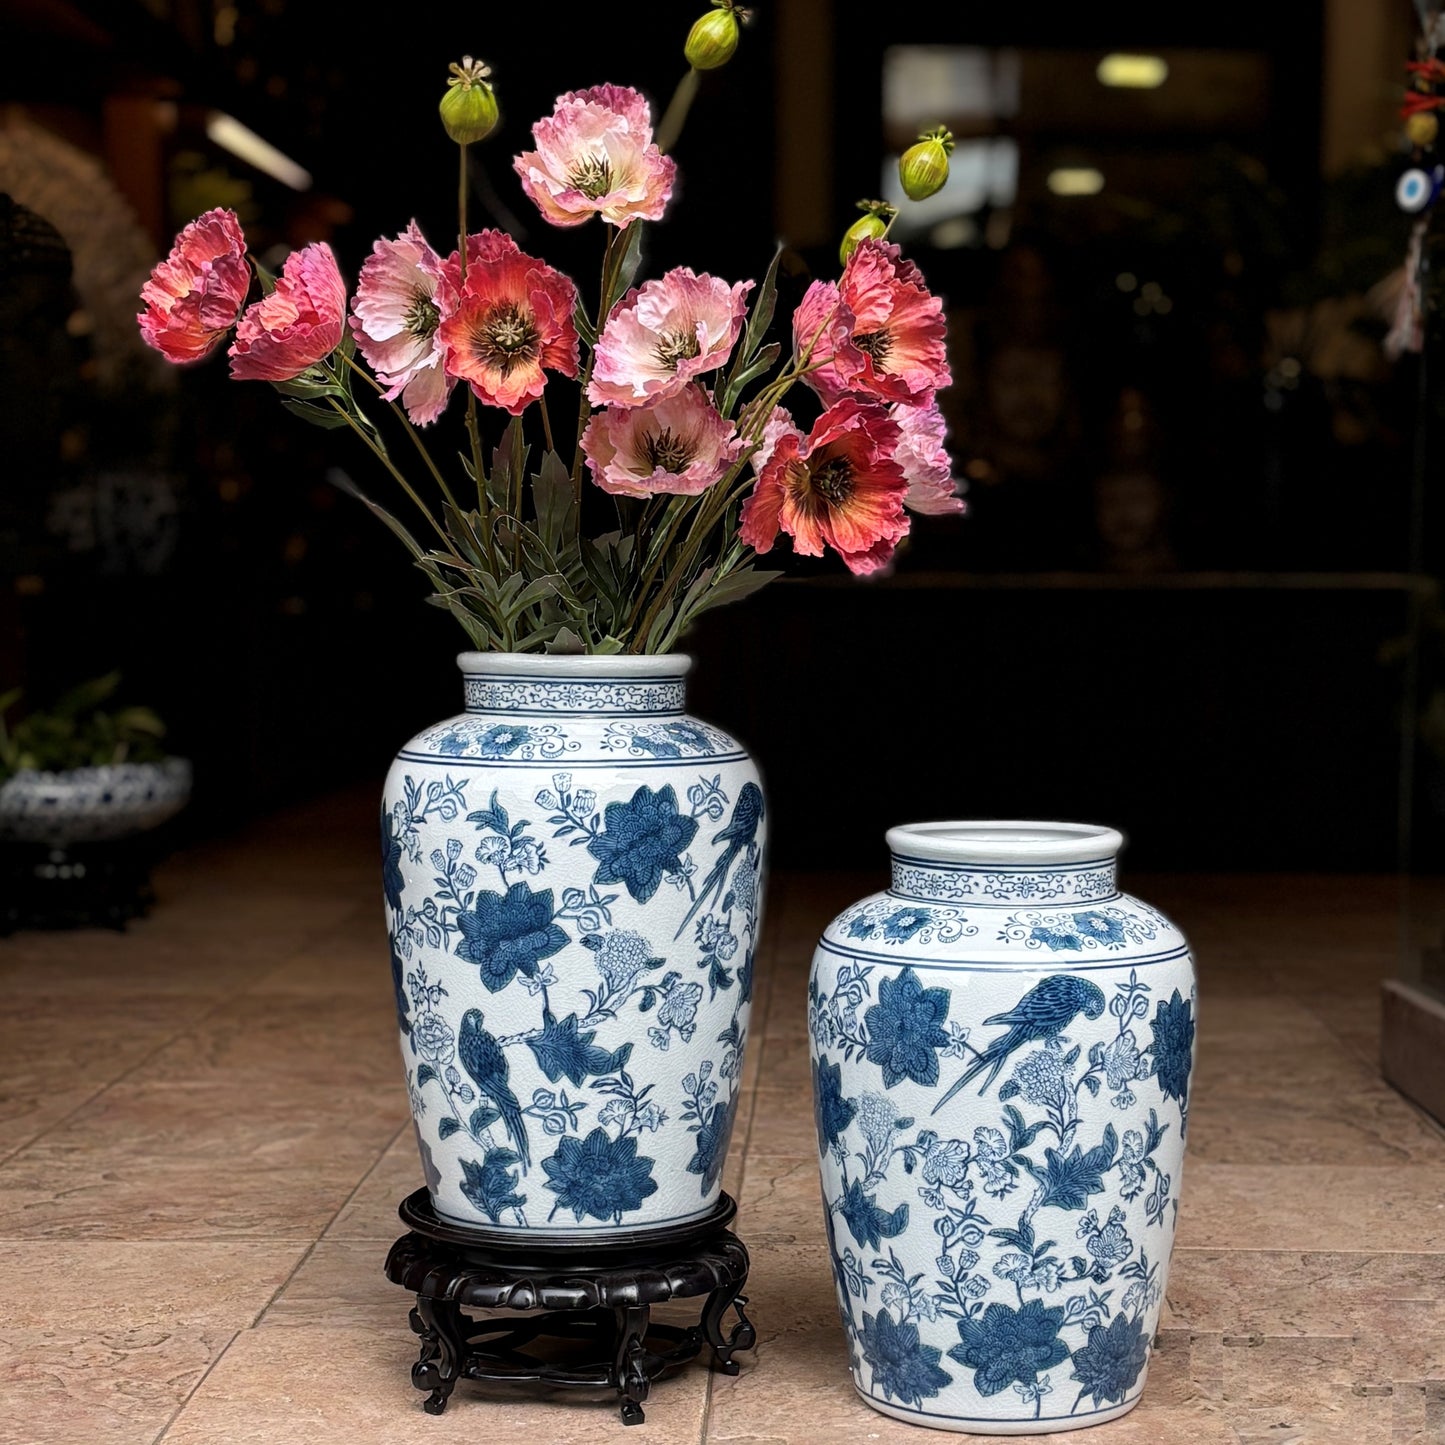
(78, 733)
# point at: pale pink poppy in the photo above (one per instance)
(680, 444)
(878, 333)
(662, 335)
(932, 487)
(401, 299)
(297, 325)
(194, 296)
(838, 487)
(513, 318)
(595, 156)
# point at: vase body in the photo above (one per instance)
(573, 877)
(1002, 1045)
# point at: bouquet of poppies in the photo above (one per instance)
(677, 384)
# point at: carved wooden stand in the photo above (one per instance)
(596, 1298)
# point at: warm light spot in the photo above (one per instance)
(228, 133)
(1076, 181)
(1133, 72)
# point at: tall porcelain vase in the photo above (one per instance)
(1002, 1045)
(573, 873)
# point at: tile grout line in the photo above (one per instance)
(280, 1289)
(140, 1063)
(205, 1375)
(340, 1210)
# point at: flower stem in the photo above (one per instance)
(546, 423)
(379, 451)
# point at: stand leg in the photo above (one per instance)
(742, 1337)
(443, 1349)
(629, 1363)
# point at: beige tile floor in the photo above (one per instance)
(203, 1139)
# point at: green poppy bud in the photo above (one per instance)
(923, 168)
(469, 108)
(714, 38)
(872, 225)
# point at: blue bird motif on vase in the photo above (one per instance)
(483, 1059)
(1042, 1014)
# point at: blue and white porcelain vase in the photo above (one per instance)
(1002, 1045)
(573, 873)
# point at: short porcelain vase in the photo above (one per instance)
(573, 874)
(1002, 1045)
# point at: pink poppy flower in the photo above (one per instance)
(402, 298)
(595, 156)
(663, 334)
(839, 486)
(926, 464)
(297, 325)
(194, 297)
(680, 444)
(879, 332)
(513, 318)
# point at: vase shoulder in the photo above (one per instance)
(894, 927)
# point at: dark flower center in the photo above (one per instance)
(876, 343)
(593, 177)
(422, 317)
(665, 452)
(506, 337)
(675, 347)
(833, 480)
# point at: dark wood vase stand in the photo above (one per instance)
(587, 1324)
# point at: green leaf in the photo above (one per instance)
(583, 322)
(566, 641)
(555, 502)
(322, 416)
(627, 264)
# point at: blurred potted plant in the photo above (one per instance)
(78, 772)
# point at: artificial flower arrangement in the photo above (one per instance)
(680, 417)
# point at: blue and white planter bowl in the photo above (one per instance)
(573, 872)
(1002, 1045)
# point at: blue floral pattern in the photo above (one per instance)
(1000, 1145)
(641, 840)
(574, 930)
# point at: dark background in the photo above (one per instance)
(1192, 597)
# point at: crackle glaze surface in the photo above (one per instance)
(573, 875)
(1001, 1059)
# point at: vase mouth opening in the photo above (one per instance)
(575, 667)
(1018, 843)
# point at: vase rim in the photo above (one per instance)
(1020, 843)
(574, 666)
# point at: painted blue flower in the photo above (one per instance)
(391, 880)
(1110, 1363)
(492, 1185)
(657, 747)
(861, 927)
(712, 1142)
(1054, 937)
(1004, 1345)
(904, 1368)
(641, 840)
(503, 739)
(1173, 1027)
(599, 1177)
(903, 923)
(904, 1030)
(452, 745)
(831, 1111)
(509, 933)
(1100, 926)
(689, 735)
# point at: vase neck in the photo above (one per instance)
(1005, 865)
(522, 685)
